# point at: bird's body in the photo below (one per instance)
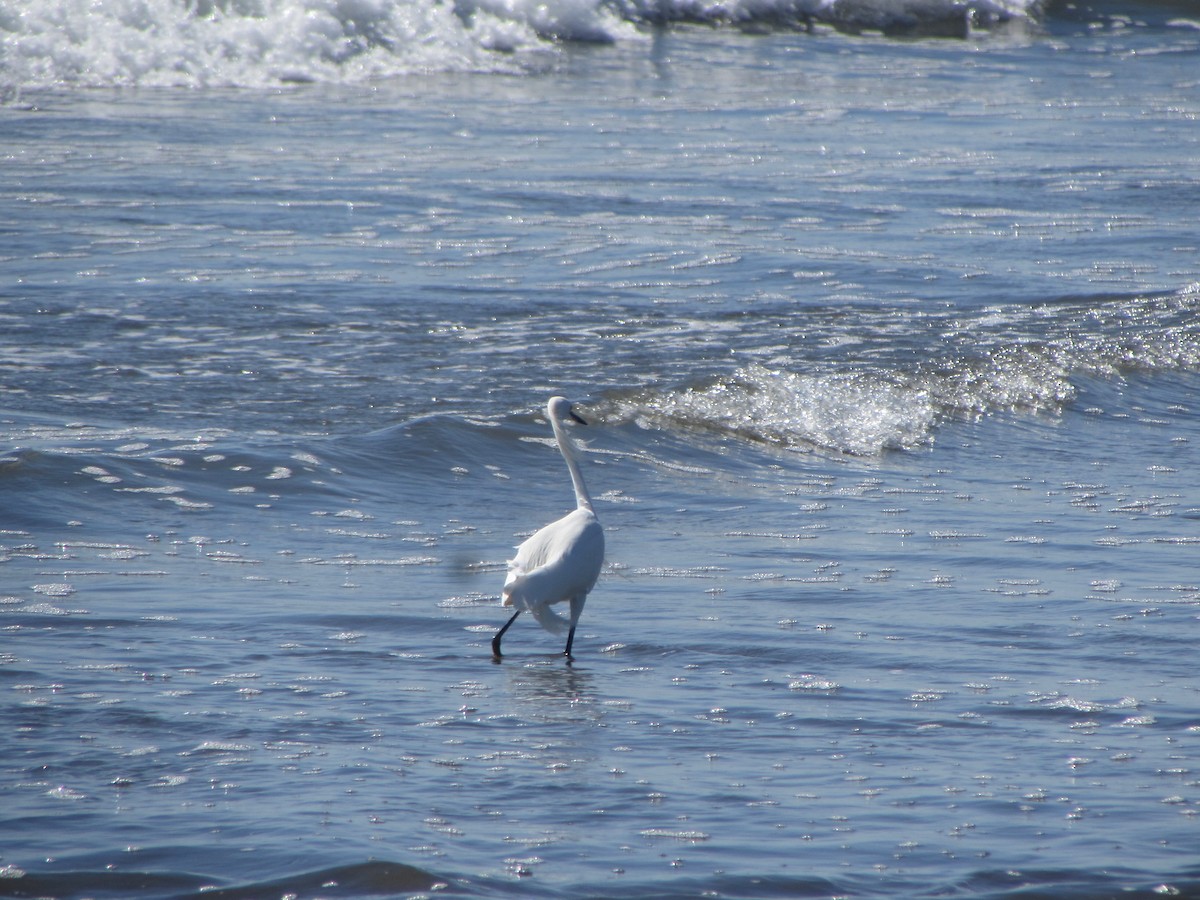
(561, 561)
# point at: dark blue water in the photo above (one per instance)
(889, 347)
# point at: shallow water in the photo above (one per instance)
(889, 350)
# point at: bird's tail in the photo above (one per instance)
(549, 619)
(514, 595)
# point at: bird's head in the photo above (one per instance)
(560, 409)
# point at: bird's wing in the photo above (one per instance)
(558, 562)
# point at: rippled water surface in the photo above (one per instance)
(889, 353)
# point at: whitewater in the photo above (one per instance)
(260, 43)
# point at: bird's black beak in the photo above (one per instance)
(578, 418)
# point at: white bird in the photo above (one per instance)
(561, 561)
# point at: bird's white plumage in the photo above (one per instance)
(561, 561)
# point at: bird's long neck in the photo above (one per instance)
(582, 500)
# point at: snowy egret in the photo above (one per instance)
(562, 560)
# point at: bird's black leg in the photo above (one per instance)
(570, 641)
(499, 634)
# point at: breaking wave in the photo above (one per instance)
(1020, 359)
(259, 43)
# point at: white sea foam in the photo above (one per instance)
(1019, 359)
(127, 42)
(857, 414)
(104, 43)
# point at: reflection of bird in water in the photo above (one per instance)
(561, 561)
(554, 693)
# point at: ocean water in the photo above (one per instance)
(885, 317)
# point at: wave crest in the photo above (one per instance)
(851, 413)
(258, 43)
(1016, 359)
